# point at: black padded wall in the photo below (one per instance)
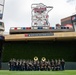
(48, 49)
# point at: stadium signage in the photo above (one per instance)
(73, 18)
(39, 34)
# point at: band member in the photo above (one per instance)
(41, 66)
(20, 65)
(48, 65)
(30, 65)
(24, 65)
(38, 65)
(52, 65)
(59, 64)
(56, 65)
(62, 64)
(10, 65)
(17, 64)
(14, 64)
(34, 65)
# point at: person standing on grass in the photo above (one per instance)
(62, 64)
(59, 64)
(52, 65)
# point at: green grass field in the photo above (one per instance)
(66, 72)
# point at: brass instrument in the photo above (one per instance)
(43, 59)
(35, 58)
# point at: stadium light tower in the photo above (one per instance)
(1, 29)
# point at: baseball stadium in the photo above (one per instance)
(39, 49)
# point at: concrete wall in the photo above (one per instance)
(68, 66)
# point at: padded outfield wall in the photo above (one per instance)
(48, 49)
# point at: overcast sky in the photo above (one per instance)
(17, 13)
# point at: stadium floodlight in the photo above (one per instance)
(1, 8)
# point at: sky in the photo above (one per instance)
(17, 13)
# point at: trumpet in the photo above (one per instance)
(35, 58)
(43, 59)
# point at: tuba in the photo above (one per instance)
(35, 58)
(43, 59)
